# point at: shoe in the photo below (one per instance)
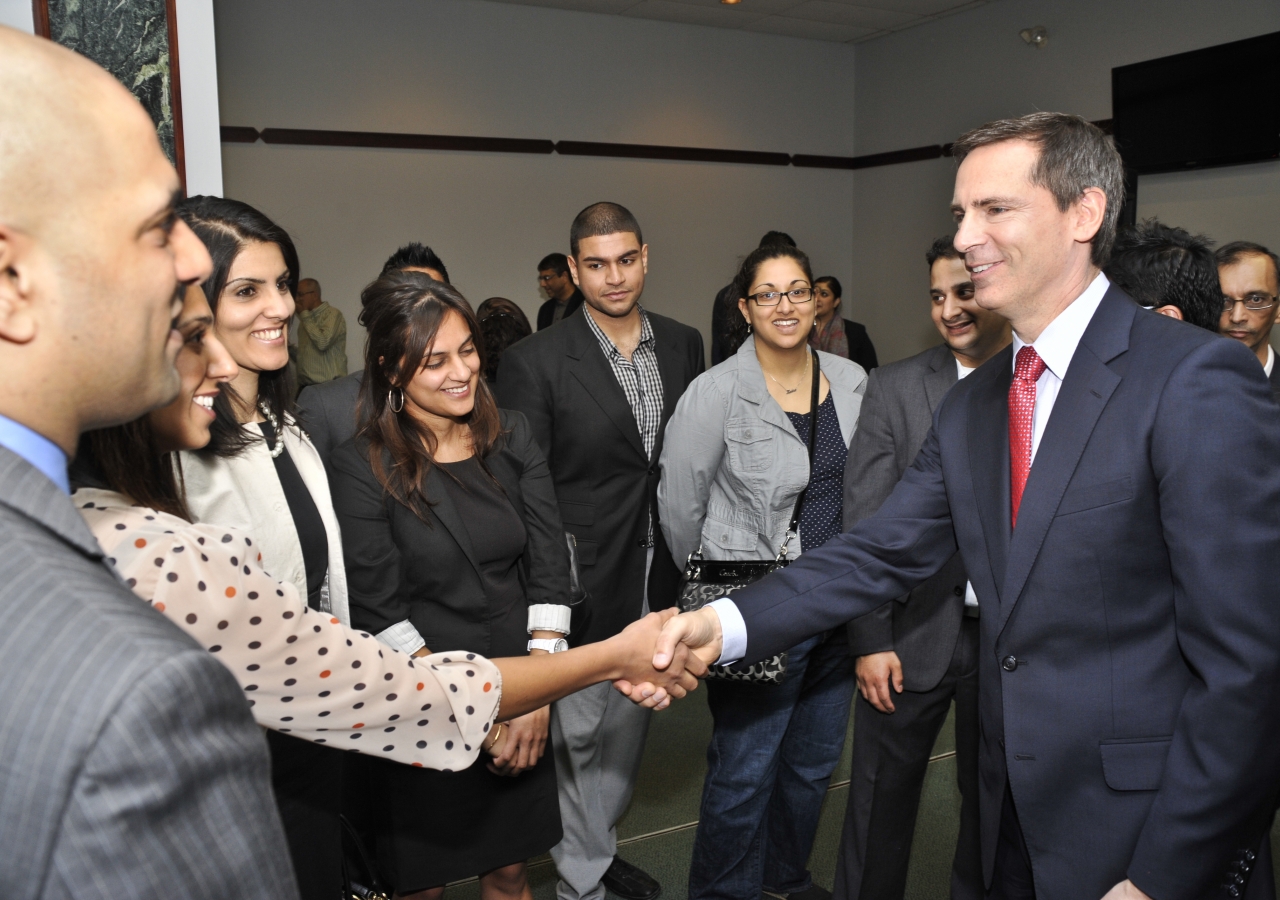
(812, 892)
(629, 882)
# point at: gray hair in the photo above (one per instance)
(1075, 155)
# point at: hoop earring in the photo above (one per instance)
(391, 402)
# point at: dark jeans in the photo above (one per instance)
(772, 752)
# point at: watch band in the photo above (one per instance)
(551, 646)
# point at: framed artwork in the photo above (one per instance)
(137, 42)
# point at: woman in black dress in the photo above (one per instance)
(833, 334)
(452, 538)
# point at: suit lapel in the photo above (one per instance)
(670, 370)
(989, 458)
(447, 514)
(940, 378)
(1081, 399)
(26, 490)
(594, 373)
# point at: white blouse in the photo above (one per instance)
(304, 672)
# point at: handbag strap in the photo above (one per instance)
(813, 440)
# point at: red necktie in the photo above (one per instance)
(1022, 409)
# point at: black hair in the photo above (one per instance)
(600, 219)
(556, 262)
(419, 256)
(776, 238)
(1230, 254)
(942, 248)
(831, 282)
(737, 330)
(1159, 265)
(226, 227)
(502, 323)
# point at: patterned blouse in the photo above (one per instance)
(303, 671)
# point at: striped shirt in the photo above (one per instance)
(640, 381)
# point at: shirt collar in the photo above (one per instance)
(1057, 343)
(646, 332)
(36, 449)
(1271, 360)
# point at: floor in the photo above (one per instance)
(657, 832)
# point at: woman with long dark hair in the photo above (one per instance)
(837, 335)
(453, 538)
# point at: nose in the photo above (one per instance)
(191, 262)
(281, 306)
(968, 234)
(1238, 312)
(950, 306)
(615, 275)
(218, 366)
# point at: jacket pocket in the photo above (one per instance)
(587, 552)
(577, 513)
(727, 537)
(751, 445)
(1091, 496)
(1136, 764)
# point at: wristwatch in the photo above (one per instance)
(559, 645)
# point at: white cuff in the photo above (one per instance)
(733, 631)
(402, 636)
(549, 617)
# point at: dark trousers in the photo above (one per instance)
(890, 758)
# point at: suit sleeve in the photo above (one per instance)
(870, 473)
(175, 794)
(1215, 443)
(520, 389)
(881, 558)
(692, 451)
(549, 558)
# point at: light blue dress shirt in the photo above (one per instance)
(36, 449)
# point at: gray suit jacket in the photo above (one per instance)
(130, 765)
(897, 413)
(327, 412)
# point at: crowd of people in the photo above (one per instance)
(464, 560)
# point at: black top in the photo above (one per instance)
(547, 312)
(861, 350)
(306, 519)
(820, 518)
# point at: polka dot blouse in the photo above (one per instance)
(303, 672)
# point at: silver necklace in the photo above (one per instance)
(275, 426)
(807, 362)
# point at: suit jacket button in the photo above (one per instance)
(1009, 663)
(959, 590)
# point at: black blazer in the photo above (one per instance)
(1130, 630)
(548, 309)
(400, 567)
(327, 412)
(561, 381)
(861, 350)
(1275, 377)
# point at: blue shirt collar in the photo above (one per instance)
(36, 449)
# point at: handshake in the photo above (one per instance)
(663, 655)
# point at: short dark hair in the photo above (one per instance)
(1159, 265)
(1230, 254)
(942, 248)
(600, 219)
(776, 238)
(502, 323)
(737, 330)
(556, 262)
(419, 256)
(1075, 155)
(831, 282)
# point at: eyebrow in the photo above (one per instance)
(606, 259)
(165, 217)
(198, 320)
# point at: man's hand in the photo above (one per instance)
(1125, 891)
(523, 743)
(875, 673)
(641, 681)
(699, 631)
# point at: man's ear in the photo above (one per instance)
(1171, 311)
(17, 319)
(1091, 210)
(573, 271)
(644, 259)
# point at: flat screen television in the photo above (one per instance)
(1212, 107)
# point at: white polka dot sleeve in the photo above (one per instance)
(303, 672)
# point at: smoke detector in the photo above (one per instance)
(1037, 36)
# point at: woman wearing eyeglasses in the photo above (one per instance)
(734, 463)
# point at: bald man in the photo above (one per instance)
(130, 766)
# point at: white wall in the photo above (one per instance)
(929, 84)
(17, 14)
(470, 67)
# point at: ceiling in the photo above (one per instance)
(845, 21)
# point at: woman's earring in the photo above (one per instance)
(391, 399)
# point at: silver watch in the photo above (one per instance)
(559, 645)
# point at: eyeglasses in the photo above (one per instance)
(1250, 301)
(773, 298)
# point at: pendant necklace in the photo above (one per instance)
(808, 361)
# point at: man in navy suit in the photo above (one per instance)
(1110, 483)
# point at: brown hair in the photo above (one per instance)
(1074, 155)
(403, 312)
(126, 459)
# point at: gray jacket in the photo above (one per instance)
(130, 765)
(733, 465)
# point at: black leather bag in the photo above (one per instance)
(579, 599)
(706, 580)
(359, 878)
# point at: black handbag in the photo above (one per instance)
(705, 580)
(359, 878)
(579, 597)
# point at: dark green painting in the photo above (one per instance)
(131, 40)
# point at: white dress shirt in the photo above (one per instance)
(1055, 345)
(970, 595)
(1271, 360)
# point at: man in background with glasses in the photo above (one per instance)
(1248, 274)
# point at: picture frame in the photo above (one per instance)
(102, 29)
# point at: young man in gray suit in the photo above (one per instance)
(130, 765)
(917, 655)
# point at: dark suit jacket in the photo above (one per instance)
(897, 412)
(1275, 377)
(606, 485)
(400, 567)
(548, 309)
(130, 764)
(327, 412)
(1130, 631)
(861, 350)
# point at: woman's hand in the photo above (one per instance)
(522, 744)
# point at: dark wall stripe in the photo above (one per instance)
(239, 134)
(689, 154)
(390, 140)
